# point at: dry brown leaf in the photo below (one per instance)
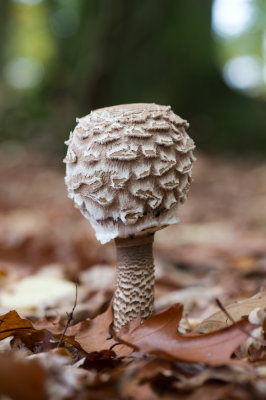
(101, 360)
(51, 324)
(11, 323)
(21, 379)
(222, 374)
(158, 335)
(237, 310)
(216, 391)
(93, 334)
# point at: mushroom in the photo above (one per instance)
(128, 168)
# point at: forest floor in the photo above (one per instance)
(195, 346)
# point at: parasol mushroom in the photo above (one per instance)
(128, 169)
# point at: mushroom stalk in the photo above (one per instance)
(134, 294)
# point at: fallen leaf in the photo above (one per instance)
(31, 292)
(189, 297)
(222, 374)
(98, 277)
(101, 360)
(217, 391)
(63, 380)
(93, 335)
(21, 379)
(11, 323)
(51, 324)
(237, 310)
(158, 335)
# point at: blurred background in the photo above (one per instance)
(59, 59)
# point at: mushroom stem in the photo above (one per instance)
(134, 292)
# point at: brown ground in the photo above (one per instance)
(217, 251)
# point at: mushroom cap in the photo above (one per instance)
(128, 168)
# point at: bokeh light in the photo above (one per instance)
(239, 33)
(231, 17)
(243, 72)
(24, 73)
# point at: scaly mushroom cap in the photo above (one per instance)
(129, 168)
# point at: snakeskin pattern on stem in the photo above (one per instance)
(134, 294)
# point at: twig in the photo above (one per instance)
(70, 315)
(220, 305)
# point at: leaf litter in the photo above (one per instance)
(188, 348)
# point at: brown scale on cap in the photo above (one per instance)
(128, 169)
